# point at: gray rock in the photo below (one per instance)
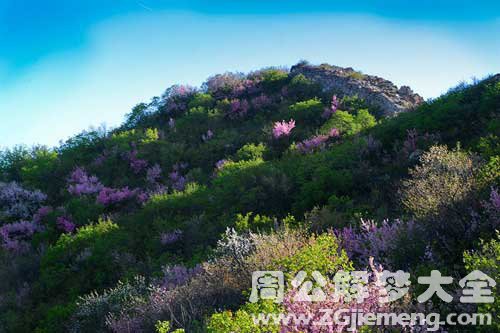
(373, 89)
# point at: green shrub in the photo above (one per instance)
(322, 254)
(307, 112)
(251, 152)
(88, 252)
(301, 88)
(242, 320)
(487, 260)
(201, 100)
(440, 194)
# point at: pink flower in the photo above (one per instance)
(283, 128)
(335, 300)
(334, 133)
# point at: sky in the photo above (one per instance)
(66, 65)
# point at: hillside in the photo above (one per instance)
(162, 221)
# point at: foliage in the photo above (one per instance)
(205, 186)
(442, 193)
(487, 260)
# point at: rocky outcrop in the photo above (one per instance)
(373, 89)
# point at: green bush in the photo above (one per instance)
(307, 112)
(88, 252)
(251, 152)
(487, 260)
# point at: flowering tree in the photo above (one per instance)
(283, 128)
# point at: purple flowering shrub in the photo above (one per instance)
(177, 275)
(136, 164)
(168, 238)
(18, 203)
(175, 99)
(16, 236)
(492, 208)
(65, 224)
(283, 128)
(109, 196)
(384, 241)
(261, 102)
(335, 301)
(80, 183)
(238, 108)
(177, 181)
(153, 174)
(317, 142)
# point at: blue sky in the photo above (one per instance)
(67, 65)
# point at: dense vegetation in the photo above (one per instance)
(157, 225)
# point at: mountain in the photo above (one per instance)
(159, 223)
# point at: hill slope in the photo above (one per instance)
(276, 153)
